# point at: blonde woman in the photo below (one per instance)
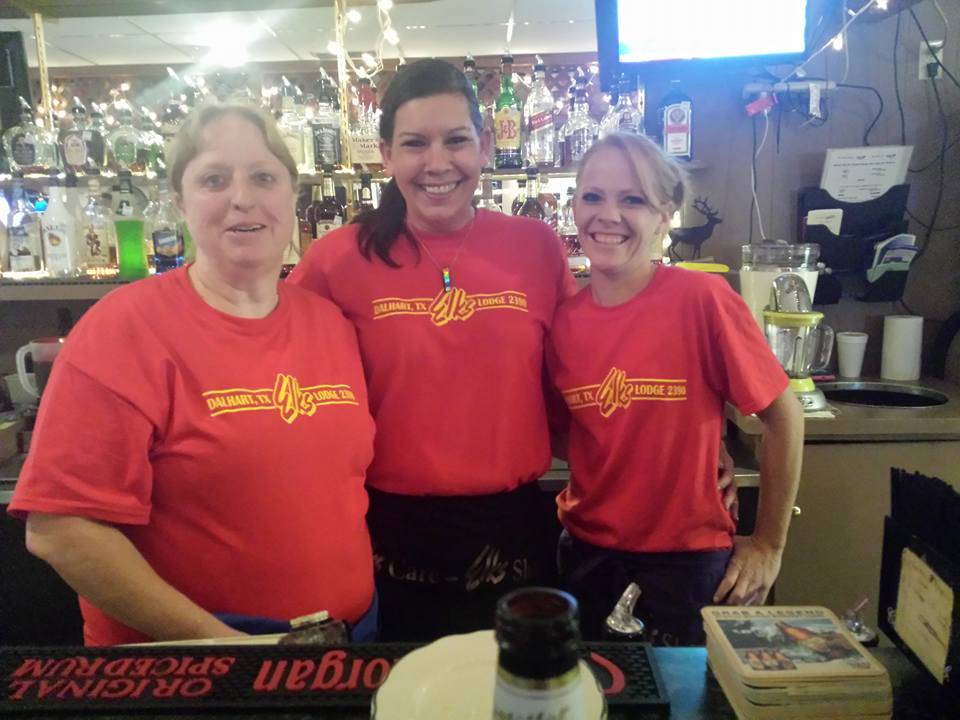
(201, 451)
(646, 356)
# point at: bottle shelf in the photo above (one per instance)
(39, 181)
(57, 288)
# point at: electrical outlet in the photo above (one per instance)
(926, 57)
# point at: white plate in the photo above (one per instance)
(454, 678)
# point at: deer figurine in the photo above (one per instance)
(694, 236)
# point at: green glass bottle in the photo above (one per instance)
(507, 120)
(131, 251)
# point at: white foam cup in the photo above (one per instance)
(850, 350)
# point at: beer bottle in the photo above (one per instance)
(538, 671)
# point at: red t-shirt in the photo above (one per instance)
(230, 451)
(455, 378)
(646, 383)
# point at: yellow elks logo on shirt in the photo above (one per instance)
(286, 397)
(617, 391)
(447, 307)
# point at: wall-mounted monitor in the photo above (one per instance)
(650, 35)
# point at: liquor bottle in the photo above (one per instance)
(304, 230)
(327, 214)
(623, 116)
(365, 131)
(520, 198)
(131, 253)
(59, 233)
(95, 137)
(675, 114)
(581, 128)
(487, 200)
(98, 243)
(560, 120)
(71, 196)
(152, 157)
(507, 120)
(163, 228)
(24, 244)
(170, 124)
(365, 199)
(568, 227)
(470, 70)
(125, 143)
(551, 206)
(325, 129)
(538, 120)
(291, 125)
(4, 237)
(306, 142)
(538, 670)
(73, 146)
(30, 148)
(533, 207)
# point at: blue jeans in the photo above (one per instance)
(365, 629)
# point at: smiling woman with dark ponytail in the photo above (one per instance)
(451, 306)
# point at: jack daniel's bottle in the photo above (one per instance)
(538, 672)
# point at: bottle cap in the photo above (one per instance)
(540, 613)
(311, 619)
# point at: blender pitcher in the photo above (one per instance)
(802, 345)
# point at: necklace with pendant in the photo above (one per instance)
(445, 270)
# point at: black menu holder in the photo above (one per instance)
(923, 528)
(849, 254)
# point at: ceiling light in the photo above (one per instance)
(881, 4)
(266, 27)
(837, 42)
(385, 5)
(226, 53)
(354, 16)
(390, 35)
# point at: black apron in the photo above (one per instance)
(673, 587)
(441, 562)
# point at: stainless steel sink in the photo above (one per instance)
(882, 394)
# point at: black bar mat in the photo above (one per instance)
(255, 678)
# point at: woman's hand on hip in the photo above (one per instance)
(752, 569)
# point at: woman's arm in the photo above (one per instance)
(103, 566)
(756, 559)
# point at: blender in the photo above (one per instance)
(798, 337)
(762, 263)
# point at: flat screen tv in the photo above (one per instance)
(646, 35)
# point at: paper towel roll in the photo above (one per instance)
(902, 340)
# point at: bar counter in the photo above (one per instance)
(694, 694)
